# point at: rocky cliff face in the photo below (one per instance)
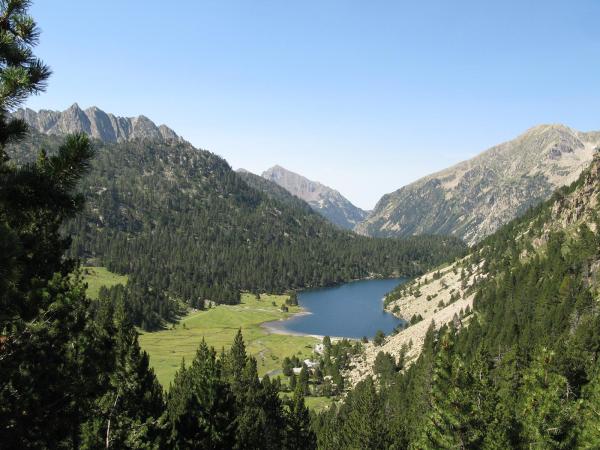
(96, 123)
(474, 198)
(325, 200)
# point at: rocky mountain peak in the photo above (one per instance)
(475, 197)
(323, 199)
(96, 123)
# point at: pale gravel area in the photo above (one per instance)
(449, 283)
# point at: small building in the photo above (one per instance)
(297, 370)
(310, 364)
(319, 349)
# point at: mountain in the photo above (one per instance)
(474, 198)
(326, 201)
(273, 190)
(96, 123)
(186, 228)
(501, 347)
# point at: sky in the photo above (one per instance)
(364, 96)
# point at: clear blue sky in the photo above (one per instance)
(364, 96)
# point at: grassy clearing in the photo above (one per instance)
(96, 277)
(316, 404)
(218, 326)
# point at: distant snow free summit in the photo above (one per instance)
(327, 201)
(96, 123)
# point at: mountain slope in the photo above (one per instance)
(96, 123)
(502, 346)
(474, 198)
(327, 201)
(186, 228)
(273, 190)
(447, 292)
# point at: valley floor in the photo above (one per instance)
(218, 326)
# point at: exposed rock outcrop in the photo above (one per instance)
(96, 123)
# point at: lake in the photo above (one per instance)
(350, 310)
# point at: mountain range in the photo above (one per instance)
(470, 200)
(96, 123)
(474, 198)
(187, 228)
(326, 201)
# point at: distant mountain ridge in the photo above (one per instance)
(96, 123)
(327, 201)
(474, 198)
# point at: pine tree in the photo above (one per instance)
(299, 434)
(274, 418)
(127, 414)
(303, 380)
(43, 395)
(589, 437)
(200, 405)
(547, 407)
(365, 425)
(450, 422)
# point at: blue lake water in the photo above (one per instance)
(350, 310)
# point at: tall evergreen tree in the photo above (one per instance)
(126, 416)
(200, 405)
(547, 409)
(46, 381)
(452, 421)
(299, 434)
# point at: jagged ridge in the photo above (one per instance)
(96, 123)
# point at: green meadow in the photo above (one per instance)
(218, 326)
(96, 277)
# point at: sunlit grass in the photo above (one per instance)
(218, 326)
(96, 277)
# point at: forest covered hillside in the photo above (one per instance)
(516, 365)
(186, 228)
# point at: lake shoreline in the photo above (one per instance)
(350, 310)
(271, 328)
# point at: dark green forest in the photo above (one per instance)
(186, 228)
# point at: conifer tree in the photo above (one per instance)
(298, 431)
(589, 437)
(44, 389)
(451, 422)
(127, 414)
(303, 380)
(547, 409)
(365, 425)
(200, 405)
